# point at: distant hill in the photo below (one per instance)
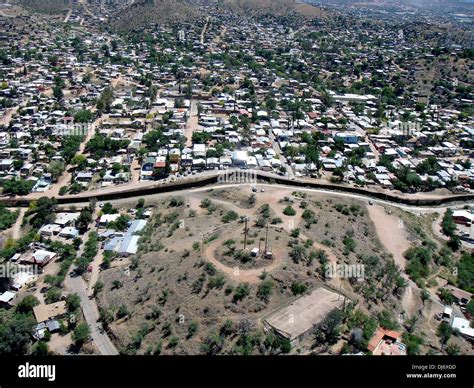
(44, 6)
(424, 4)
(145, 12)
(275, 7)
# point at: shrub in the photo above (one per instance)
(298, 288)
(241, 292)
(289, 211)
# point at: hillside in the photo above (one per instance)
(424, 4)
(148, 12)
(275, 7)
(143, 13)
(45, 6)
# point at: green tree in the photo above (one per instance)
(58, 92)
(56, 168)
(329, 329)
(83, 116)
(265, 289)
(15, 334)
(40, 349)
(448, 225)
(298, 288)
(42, 211)
(17, 186)
(105, 100)
(444, 332)
(81, 334)
(27, 303)
(73, 302)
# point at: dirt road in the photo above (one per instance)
(76, 284)
(289, 222)
(391, 232)
(396, 240)
(16, 228)
(203, 33)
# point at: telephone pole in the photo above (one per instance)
(245, 232)
(266, 240)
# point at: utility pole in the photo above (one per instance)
(245, 232)
(266, 240)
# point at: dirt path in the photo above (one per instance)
(436, 226)
(395, 238)
(391, 232)
(201, 38)
(289, 223)
(192, 123)
(16, 228)
(248, 275)
(66, 19)
(238, 274)
(94, 276)
(135, 171)
(219, 37)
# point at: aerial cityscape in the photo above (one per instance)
(236, 177)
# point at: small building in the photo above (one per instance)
(347, 138)
(84, 177)
(462, 297)
(463, 217)
(45, 312)
(6, 164)
(49, 230)
(40, 330)
(105, 219)
(386, 343)
(69, 232)
(21, 279)
(113, 244)
(136, 226)
(66, 219)
(464, 327)
(199, 150)
(129, 246)
(446, 314)
(6, 298)
(40, 257)
(239, 158)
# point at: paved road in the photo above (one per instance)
(91, 314)
(76, 284)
